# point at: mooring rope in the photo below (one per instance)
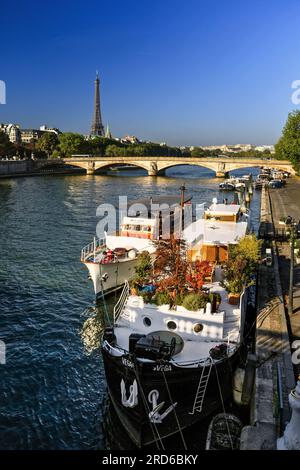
(223, 406)
(152, 425)
(106, 314)
(176, 417)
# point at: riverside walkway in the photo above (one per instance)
(275, 375)
(286, 202)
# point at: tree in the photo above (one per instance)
(248, 248)
(71, 143)
(115, 151)
(198, 152)
(143, 269)
(288, 146)
(6, 146)
(242, 264)
(197, 273)
(48, 143)
(170, 265)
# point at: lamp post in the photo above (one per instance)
(291, 223)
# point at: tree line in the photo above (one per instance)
(67, 144)
(50, 145)
(288, 146)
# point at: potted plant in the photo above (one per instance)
(233, 279)
(195, 301)
(134, 288)
(142, 273)
(215, 300)
(242, 264)
(234, 288)
(282, 220)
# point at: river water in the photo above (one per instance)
(52, 387)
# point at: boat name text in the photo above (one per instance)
(162, 368)
(127, 363)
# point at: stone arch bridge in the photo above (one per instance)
(157, 165)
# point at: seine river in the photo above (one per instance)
(52, 387)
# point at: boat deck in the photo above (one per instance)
(220, 327)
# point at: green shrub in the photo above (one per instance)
(234, 285)
(194, 302)
(143, 269)
(162, 298)
(147, 297)
(179, 299)
(215, 299)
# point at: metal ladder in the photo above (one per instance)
(201, 390)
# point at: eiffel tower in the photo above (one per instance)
(97, 126)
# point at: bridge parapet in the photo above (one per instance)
(156, 165)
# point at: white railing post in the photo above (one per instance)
(91, 248)
(291, 438)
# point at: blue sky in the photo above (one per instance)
(194, 72)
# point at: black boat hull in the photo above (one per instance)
(174, 384)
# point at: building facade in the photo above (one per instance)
(13, 132)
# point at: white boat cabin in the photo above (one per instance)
(208, 239)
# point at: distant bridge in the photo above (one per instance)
(157, 165)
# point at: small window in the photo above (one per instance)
(147, 321)
(171, 325)
(198, 328)
(138, 228)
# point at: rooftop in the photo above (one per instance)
(223, 209)
(215, 232)
(170, 200)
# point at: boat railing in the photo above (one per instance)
(231, 344)
(91, 249)
(119, 307)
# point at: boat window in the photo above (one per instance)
(198, 328)
(171, 325)
(138, 228)
(147, 321)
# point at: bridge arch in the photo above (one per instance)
(245, 168)
(215, 166)
(106, 165)
(163, 167)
